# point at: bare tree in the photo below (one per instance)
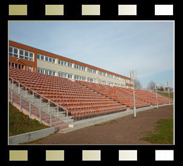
(151, 85)
(138, 85)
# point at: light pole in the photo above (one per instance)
(168, 93)
(156, 87)
(133, 77)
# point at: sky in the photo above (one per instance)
(116, 46)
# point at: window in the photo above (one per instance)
(91, 79)
(110, 76)
(38, 56)
(16, 52)
(116, 77)
(26, 55)
(46, 58)
(59, 62)
(46, 71)
(63, 75)
(50, 72)
(21, 54)
(42, 71)
(31, 56)
(91, 70)
(79, 67)
(101, 73)
(50, 59)
(10, 51)
(122, 79)
(69, 64)
(53, 73)
(69, 75)
(53, 60)
(110, 83)
(42, 57)
(76, 77)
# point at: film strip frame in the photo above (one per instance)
(100, 10)
(111, 154)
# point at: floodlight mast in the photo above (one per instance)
(133, 77)
(168, 93)
(156, 87)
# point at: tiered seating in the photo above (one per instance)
(125, 95)
(80, 101)
(151, 97)
(140, 94)
(115, 93)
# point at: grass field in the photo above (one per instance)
(166, 95)
(20, 123)
(163, 133)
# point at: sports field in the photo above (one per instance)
(126, 130)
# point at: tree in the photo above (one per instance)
(151, 85)
(160, 88)
(138, 85)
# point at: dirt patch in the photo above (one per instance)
(126, 130)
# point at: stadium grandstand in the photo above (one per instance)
(59, 91)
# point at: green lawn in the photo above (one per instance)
(163, 133)
(20, 123)
(166, 95)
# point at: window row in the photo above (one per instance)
(101, 73)
(91, 79)
(45, 58)
(79, 67)
(115, 84)
(102, 82)
(20, 53)
(65, 75)
(110, 76)
(76, 77)
(63, 63)
(91, 70)
(44, 71)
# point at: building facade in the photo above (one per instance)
(36, 60)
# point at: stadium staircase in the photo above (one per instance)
(59, 119)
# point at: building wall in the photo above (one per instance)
(59, 68)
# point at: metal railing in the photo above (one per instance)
(23, 102)
(41, 97)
